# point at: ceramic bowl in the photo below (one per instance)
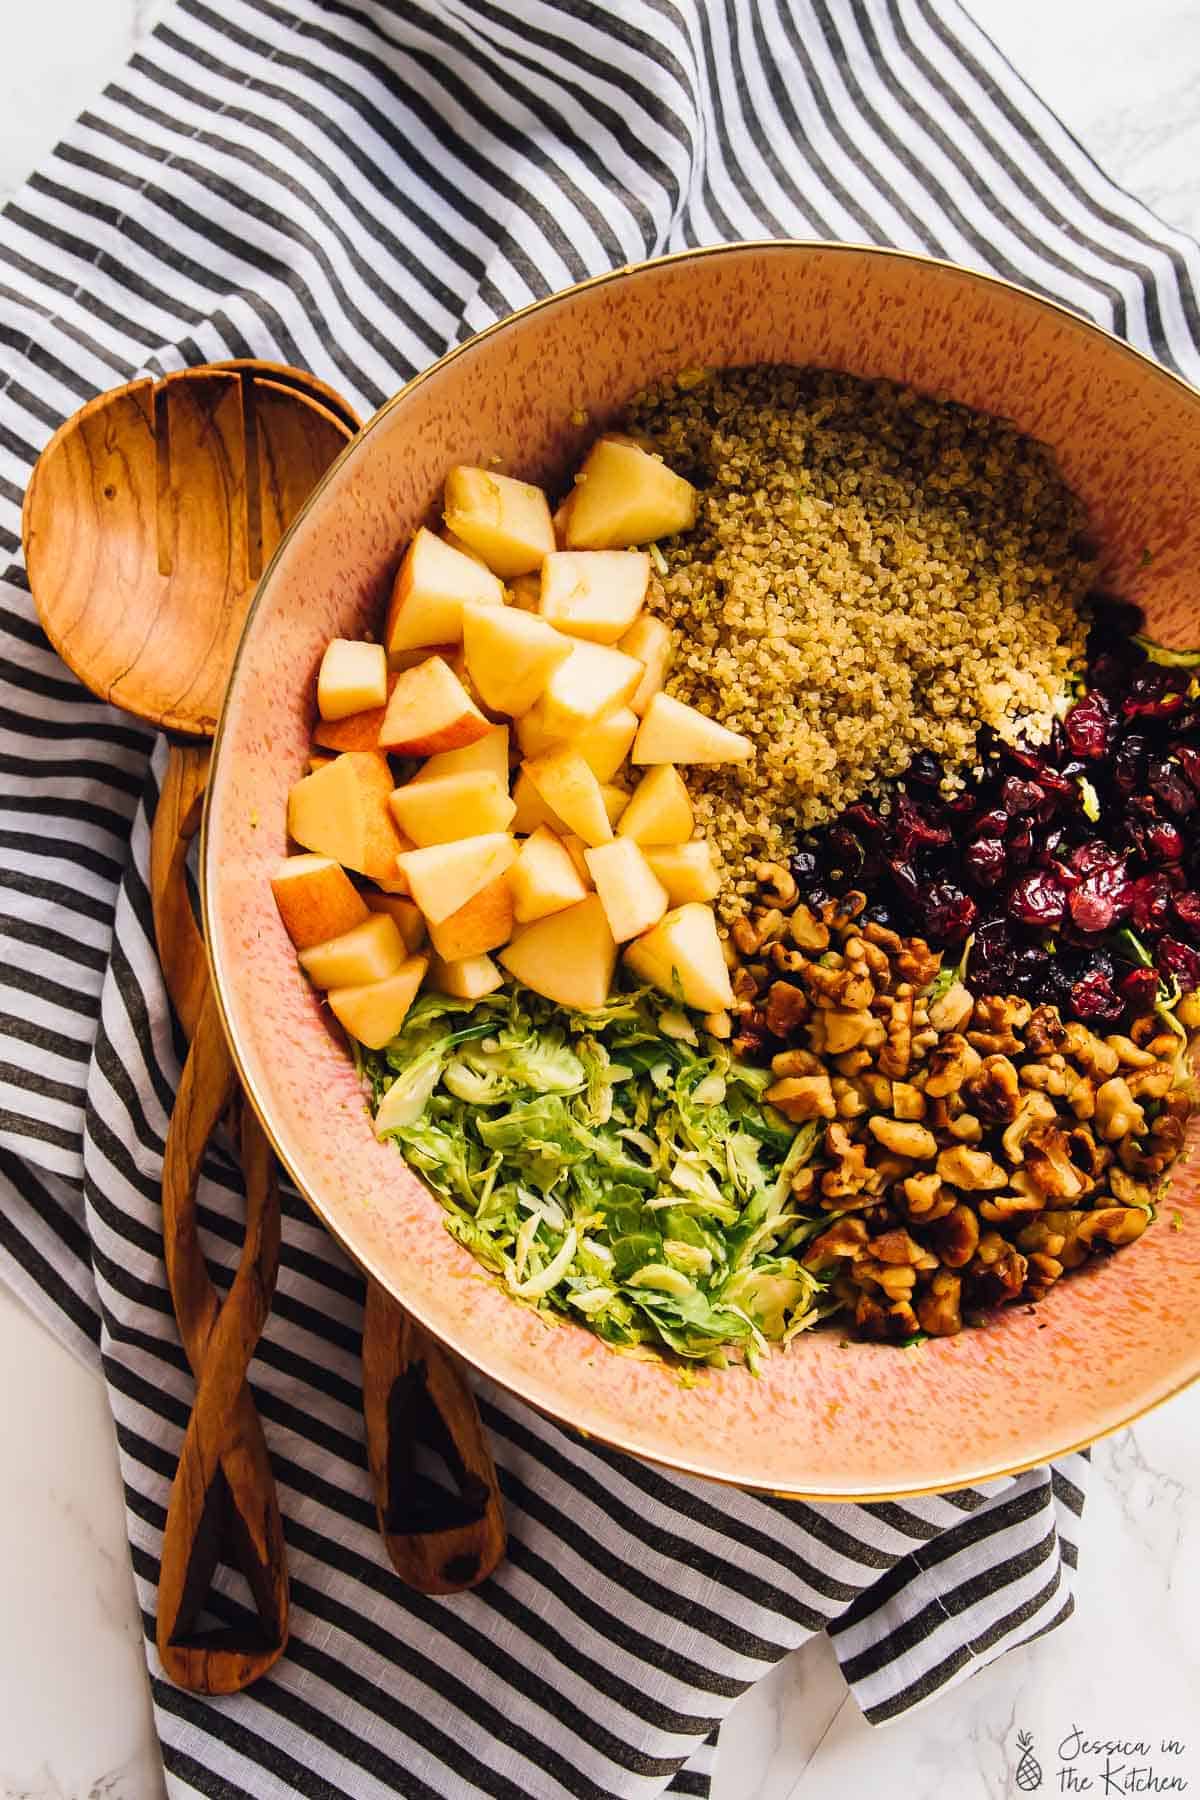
(827, 1419)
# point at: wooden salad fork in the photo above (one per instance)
(148, 520)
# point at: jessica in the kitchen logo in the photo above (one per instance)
(1103, 1766)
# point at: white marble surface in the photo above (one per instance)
(75, 1722)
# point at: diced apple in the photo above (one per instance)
(319, 762)
(671, 732)
(630, 892)
(624, 496)
(649, 639)
(511, 655)
(433, 583)
(603, 745)
(430, 710)
(569, 957)
(532, 810)
(457, 543)
(342, 811)
(483, 923)
(660, 811)
(395, 883)
(399, 660)
(488, 755)
(454, 806)
(543, 878)
(682, 954)
(360, 731)
(594, 594)
(316, 899)
(373, 1013)
(443, 877)
(560, 519)
(368, 952)
(470, 978)
(571, 791)
(576, 849)
(525, 591)
(352, 677)
(615, 798)
(406, 913)
(686, 871)
(592, 681)
(507, 521)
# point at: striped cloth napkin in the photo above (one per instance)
(355, 186)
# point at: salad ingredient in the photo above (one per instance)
(370, 951)
(433, 584)
(682, 956)
(444, 877)
(510, 655)
(430, 710)
(622, 496)
(470, 978)
(360, 731)
(594, 594)
(566, 785)
(488, 755)
(544, 879)
(405, 912)
(671, 732)
(649, 640)
(352, 677)
(686, 871)
(316, 899)
(659, 811)
(483, 922)
(464, 805)
(630, 892)
(591, 681)
(603, 745)
(507, 521)
(374, 1011)
(342, 811)
(604, 1169)
(568, 957)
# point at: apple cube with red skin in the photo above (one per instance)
(352, 678)
(433, 584)
(316, 899)
(341, 811)
(430, 710)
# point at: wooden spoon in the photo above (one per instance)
(149, 518)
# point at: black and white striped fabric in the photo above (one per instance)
(354, 186)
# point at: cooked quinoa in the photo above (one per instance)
(872, 572)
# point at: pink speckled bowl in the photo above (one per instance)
(824, 1421)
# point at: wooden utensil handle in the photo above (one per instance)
(176, 821)
(223, 1503)
(416, 1396)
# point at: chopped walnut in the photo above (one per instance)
(956, 1237)
(995, 1092)
(975, 1170)
(801, 1097)
(951, 1065)
(1049, 1167)
(786, 1008)
(845, 1239)
(952, 1010)
(939, 1308)
(907, 1101)
(1118, 1114)
(903, 1136)
(808, 932)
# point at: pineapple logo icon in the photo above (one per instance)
(1029, 1769)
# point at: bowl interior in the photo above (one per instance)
(826, 1419)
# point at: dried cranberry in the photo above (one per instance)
(1148, 904)
(906, 879)
(1188, 757)
(1092, 997)
(1093, 855)
(993, 958)
(1186, 907)
(1038, 899)
(1108, 672)
(1180, 962)
(961, 805)
(864, 820)
(948, 913)
(985, 860)
(993, 823)
(1090, 726)
(804, 868)
(912, 829)
(1020, 844)
(844, 854)
(924, 769)
(1129, 762)
(1023, 796)
(1164, 842)
(1155, 692)
(1167, 781)
(1102, 898)
(1139, 989)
